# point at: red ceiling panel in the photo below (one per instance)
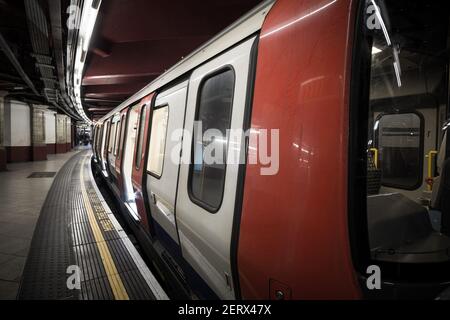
(136, 40)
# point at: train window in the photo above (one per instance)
(207, 178)
(122, 135)
(158, 141)
(106, 136)
(400, 82)
(399, 143)
(112, 134)
(99, 139)
(116, 139)
(140, 137)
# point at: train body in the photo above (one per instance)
(324, 155)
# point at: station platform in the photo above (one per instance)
(23, 190)
(78, 250)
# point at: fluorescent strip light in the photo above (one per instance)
(86, 28)
(397, 74)
(375, 50)
(383, 26)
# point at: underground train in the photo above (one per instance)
(299, 154)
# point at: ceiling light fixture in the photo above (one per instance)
(375, 50)
(87, 23)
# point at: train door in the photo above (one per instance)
(403, 141)
(112, 152)
(207, 186)
(94, 139)
(405, 99)
(120, 153)
(115, 152)
(127, 166)
(163, 160)
(111, 141)
(98, 141)
(104, 145)
(138, 167)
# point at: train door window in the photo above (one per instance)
(98, 139)
(117, 138)
(122, 135)
(106, 139)
(129, 144)
(401, 66)
(158, 141)
(111, 137)
(94, 136)
(399, 140)
(140, 140)
(214, 108)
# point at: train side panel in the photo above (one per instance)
(138, 176)
(120, 148)
(293, 240)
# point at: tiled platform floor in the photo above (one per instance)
(76, 229)
(21, 200)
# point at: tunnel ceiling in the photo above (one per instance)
(136, 41)
(14, 30)
(32, 49)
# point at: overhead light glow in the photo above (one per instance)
(381, 21)
(321, 8)
(375, 50)
(398, 74)
(86, 28)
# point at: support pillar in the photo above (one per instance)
(2, 133)
(50, 131)
(39, 147)
(68, 134)
(61, 133)
(17, 130)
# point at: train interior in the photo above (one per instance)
(408, 164)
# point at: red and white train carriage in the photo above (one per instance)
(357, 92)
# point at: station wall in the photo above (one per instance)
(50, 131)
(31, 132)
(17, 131)
(2, 134)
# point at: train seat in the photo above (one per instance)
(394, 220)
(435, 216)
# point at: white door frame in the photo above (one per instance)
(205, 237)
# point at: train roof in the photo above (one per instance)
(240, 29)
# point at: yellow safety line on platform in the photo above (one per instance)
(118, 289)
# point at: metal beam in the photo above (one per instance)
(101, 100)
(57, 31)
(10, 77)
(111, 79)
(12, 58)
(43, 65)
(125, 88)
